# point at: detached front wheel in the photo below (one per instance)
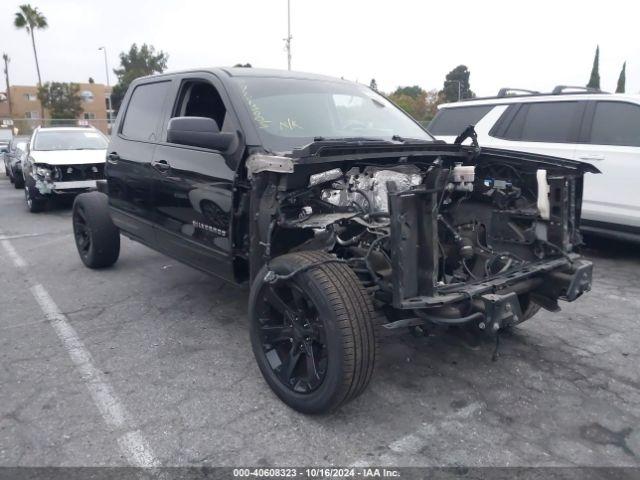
(97, 238)
(312, 333)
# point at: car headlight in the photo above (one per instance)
(43, 172)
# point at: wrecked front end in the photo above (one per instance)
(64, 179)
(437, 234)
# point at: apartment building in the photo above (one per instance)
(25, 109)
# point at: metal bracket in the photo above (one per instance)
(581, 280)
(271, 163)
(501, 310)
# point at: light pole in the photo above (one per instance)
(6, 59)
(287, 41)
(106, 70)
(459, 87)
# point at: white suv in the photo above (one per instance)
(590, 126)
(62, 161)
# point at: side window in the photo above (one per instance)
(144, 111)
(616, 123)
(544, 122)
(452, 121)
(200, 99)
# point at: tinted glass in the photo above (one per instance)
(544, 122)
(616, 123)
(69, 140)
(290, 113)
(452, 121)
(144, 110)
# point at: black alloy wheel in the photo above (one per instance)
(312, 328)
(293, 337)
(81, 231)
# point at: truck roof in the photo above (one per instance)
(254, 72)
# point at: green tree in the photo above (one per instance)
(62, 100)
(420, 104)
(414, 91)
(373, 84)
(622, 79)
(138, 62)
(412, 100)
(30, 18)
(456, 85)
(432, 99)
(594, 79)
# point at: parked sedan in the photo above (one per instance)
(62, 161)
(5, 137)
(17, 149)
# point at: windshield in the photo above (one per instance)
(290, 113)
(69, 140)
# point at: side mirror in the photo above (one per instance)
(198, 132)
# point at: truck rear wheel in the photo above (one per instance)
(312, 332)
(97, 238)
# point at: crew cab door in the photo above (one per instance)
(128, 170)
(610, 140)
(193, 192)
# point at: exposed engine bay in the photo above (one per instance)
(488, 223)
(438, 236)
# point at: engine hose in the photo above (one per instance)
(477, 316)
(367, 198)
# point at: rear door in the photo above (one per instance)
(130, 153)
(611, 141)
(193, 193)
(548, 128)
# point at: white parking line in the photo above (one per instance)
(18, 261)
(22, 235)
(131, 442)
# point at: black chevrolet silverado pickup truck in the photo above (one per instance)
(342, 214)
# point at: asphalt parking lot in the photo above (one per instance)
(168, 351)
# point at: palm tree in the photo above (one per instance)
(30, 18)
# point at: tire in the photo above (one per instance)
(35, 203)
(18, 181)
(339, 313)
(97, 238)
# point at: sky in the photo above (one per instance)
(534, 45)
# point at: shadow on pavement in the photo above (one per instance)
(600, 247)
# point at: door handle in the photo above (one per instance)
(590, 158)
(161, 165)
(113, 157)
